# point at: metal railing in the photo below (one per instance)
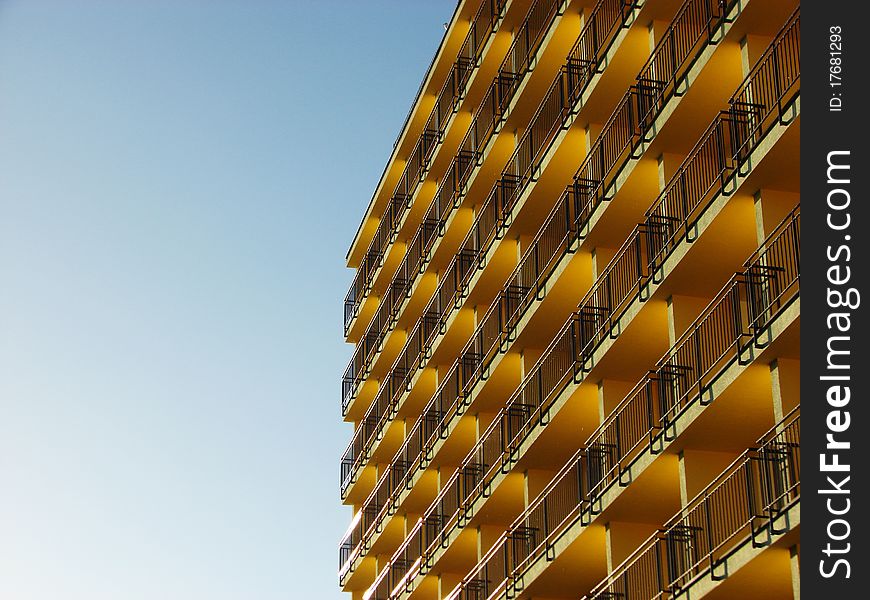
(740, 506)
(740, 312)
(489, 222)
(552, 242)
(764, 290)
(723, 333)
(451, 189)
(447, 102)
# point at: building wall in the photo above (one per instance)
(577, 316)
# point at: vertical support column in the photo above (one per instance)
(684, 486)
(771, 207)
(656, 30)
(698, 468)
(682, 312)
(523, 242)
(668, 163)
(535, 482)
(608, 538)
(602, 409)
(795, 561)
(785, 386)
(600, 258)
(527, 495)
(622, 538)
(591, 133)
(610, 393)
(752, 46)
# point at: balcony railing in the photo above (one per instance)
(724, 333)
(490, 221)
(739, 507)
(566, 88)
(552, 242)
(449, 193)
(566, 358)
(482, 26)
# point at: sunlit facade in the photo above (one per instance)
(576, 311)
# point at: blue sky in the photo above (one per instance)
(179, 182)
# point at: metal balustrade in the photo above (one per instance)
(720, 336)
(589, 326)
(694, 24)
(740, 312)
(490, 220)
(741, 506)
(557, 234)
(488, 116)
(693, 28)
(482, 27)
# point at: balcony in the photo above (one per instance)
(586, 329)
(747, 506)
(527, 284)
(727, 332)
(486, 228)
(622, 135)
(486, 123)
(482, 27)
(494, 215)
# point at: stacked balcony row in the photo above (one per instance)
(489, 223)
(747, 505)
(724, 334)
(585, 325)
(554, 240)
(485, 124)
(482, 27)
(644, 421)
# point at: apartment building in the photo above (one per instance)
(576, 311)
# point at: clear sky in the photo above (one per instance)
(179, 183)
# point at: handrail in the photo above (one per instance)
(554, 238)
(446, 103)
(568, 79)
(484, 125)
(741, 505)
(638, 423)
(565, 358)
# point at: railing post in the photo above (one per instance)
(638, 262)
(608, 284)
(699, 366)
(617, 460)
(546, 531)
(776, 83)
(720, 150)
(673, 56)
(682, 191)
(576, 362)
(659, 574)
(709, 520)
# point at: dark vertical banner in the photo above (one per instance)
(835, 262)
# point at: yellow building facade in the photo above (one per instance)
(576, 311)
